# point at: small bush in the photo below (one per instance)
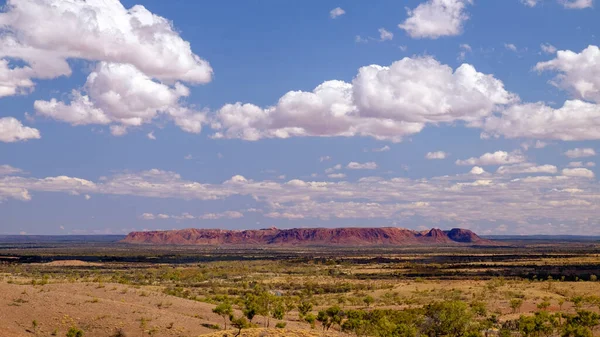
(280, 325)
(74, 332)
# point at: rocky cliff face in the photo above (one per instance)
(386, 236)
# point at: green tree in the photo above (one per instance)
(224, 310)
(448, 318)
(331, 316)
(544, 305)
(239, 323)
(304, 307)
(515, 304)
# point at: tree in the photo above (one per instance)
(251, 308)
(369, 300)
(543, 305)
(224, 310)
(304, 307)
(515, 304)
(451, 318)
(577, 301)
(310, 319)
(239, 323)
(331, 316)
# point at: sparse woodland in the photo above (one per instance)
(457, 291)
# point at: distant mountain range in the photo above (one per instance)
(385, 236)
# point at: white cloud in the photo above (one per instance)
(464, 49)
(436, 155)
(436, 18)
(527, 168)
(336, 176)
(44, 34)
(188, 157)
(360, 39)
(12, 130)
(548, 48)
(530, 3)
(362, 166)
(578, 172)
(476, 170)
(385, 35)
(575, 120)
(334, 13)
(510, 46)
(524, 200)
(121, 94)
(581, 164)
(578, 72)
(580, 153)
(15, 80)
(385, 148)
(324, 158)
(148, 216)
(151, 135)
(576, 4)
(284, 215)
(6, 170)
(333, 169)
(496, 158)
(224, 215)
(87, 197)
(386, 103)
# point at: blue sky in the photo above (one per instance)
(248, 114)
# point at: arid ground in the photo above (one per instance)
(104, 289)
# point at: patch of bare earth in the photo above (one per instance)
(100, 310)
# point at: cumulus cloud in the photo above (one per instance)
(580, 153)
(386, 103)
(576, 4)
(361, 166)
(9, 170)
(334, 13)
(578, 172)
(385, 35)
(436, 18)
(123, 95)
(336, 176)
(151, 135)
(496, 158)
(476, 170)
(334, 168)
(530, 3)
(527, 168)
(147, 216)
(567, 198)
(575, 120)
(510, 46)
(581, 164)
(436, 155)
(12, 130)
(464, 49)
(385, 148)
(44, 34)
(548, 48)
(577, 72)
(223, 215)
(15, 80)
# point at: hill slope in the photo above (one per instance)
(307, 237)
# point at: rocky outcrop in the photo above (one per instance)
(385, 236)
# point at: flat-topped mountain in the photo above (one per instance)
(351, 236)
